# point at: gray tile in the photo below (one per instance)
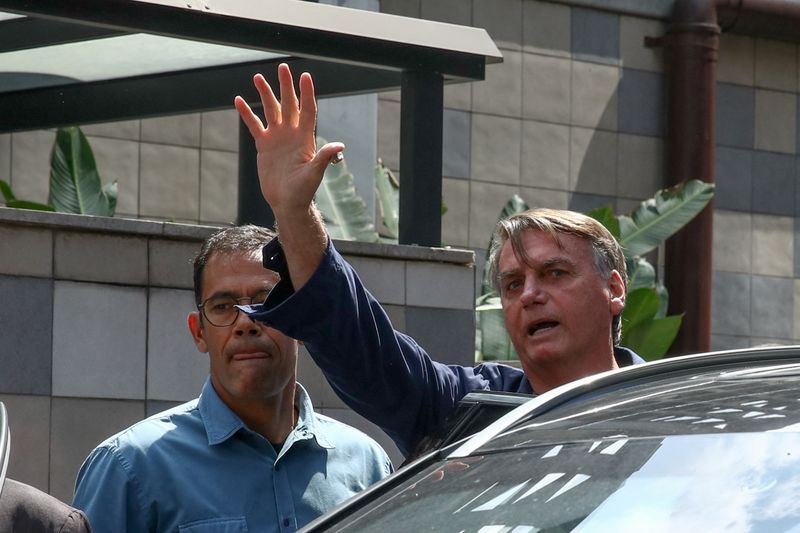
(546, 83)
(736, 59)
(583, 203)
(776, 65)
(773, 307)
(26, 251)
(97, 420)
(537, 197)
(773, 245)
(732, 241)
(153, 407)
(404, 8)
(486, 200)
(797, 248)
(29, 423)
(642, 103)
(98, 257)
(455, 222)
(545, 155)
(176, 370)
(93, 357)
(310, 376)
(27, 324)
(595, 35)
(501, 92)
(219, 130)
(181, 130)
(796, 307)
(170, 182)
(458, 96)
(456, 129)
(734, 179)
(5, 157)
(502, 19)
(546, 28)
(640, 166)
(439, 285)
(389, 133)
(735, 118)
(729, 342)
(123, 129)
(451, 11)
(351, 418)
(118, 160)
(171, 263)
(385, 279)
(397, 315)
(773, 183)
(448, 335)
(593, 161)
(30, 164)
(730, 304)
(219, 186)
(495, 149)
(775, 121)
(635, 54)
(594, 95)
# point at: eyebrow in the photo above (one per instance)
(229, 294)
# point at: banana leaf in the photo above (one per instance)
(75, 185)
(389, 199)
(5, 189)
(606, 216)
(491, 339)
(514, 206)
(641, 305)
(660, 217)
(12, 201)
(640, 273)
(652, 339)
(344, 211)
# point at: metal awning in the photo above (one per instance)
(64, 63)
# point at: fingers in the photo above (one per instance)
(324, 155)
(289, 103)
(308, 103)
(253, 123)
(268, 101)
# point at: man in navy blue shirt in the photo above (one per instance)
(561, 278)
(250, 454)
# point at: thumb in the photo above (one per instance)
(324, 155)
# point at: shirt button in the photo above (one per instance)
(285, 522)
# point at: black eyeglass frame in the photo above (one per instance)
(244, 300)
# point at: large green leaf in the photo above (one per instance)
(389, 200)
(344, 210)
(660, 217)
(12, 201)
(6, 191)
(493, 343)
(641, 305)
(640, 273)
(652, 338)
(606, 216)
(75, 185)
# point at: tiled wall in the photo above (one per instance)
(93, 332)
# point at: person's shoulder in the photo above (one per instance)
(151, 430)
(26, 508)
(341, 434)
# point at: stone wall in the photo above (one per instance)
(93, 333)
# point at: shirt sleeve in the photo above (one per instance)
(382, 374)
(108, 494)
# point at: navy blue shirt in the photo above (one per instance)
(197, 467)
(382, 374)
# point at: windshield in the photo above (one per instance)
(731, 482)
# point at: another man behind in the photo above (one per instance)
(561, 278)
(249, 454)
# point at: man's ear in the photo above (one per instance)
(198, 332)
(617, 293)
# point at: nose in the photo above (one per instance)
(245, 325)
(532, 292)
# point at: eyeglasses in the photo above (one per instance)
(221, 311)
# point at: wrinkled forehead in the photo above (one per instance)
(533, 245)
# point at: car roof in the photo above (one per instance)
(719, 392)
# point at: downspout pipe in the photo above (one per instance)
(692, 44)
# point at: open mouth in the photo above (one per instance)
(539, 327)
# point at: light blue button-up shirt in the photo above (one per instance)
(197, 468)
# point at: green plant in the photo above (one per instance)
(75, 185)
(645, 325)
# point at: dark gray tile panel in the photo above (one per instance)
(595, 35)
(773, 183)
(773, 307)
(730, 304)
(456, 130)
(641, 103)
(734, 179)
(583, 203)
(26, 341)
(797, 247)
(156, 406)
(448, 335)
(735, 120)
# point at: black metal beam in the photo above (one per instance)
(421, 101)
(252, 208)
(174, 93)
(25, 33)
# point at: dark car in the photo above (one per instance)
(704, 443)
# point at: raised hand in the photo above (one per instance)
(289, 166)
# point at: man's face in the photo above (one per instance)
(558, 309)
(249, 361)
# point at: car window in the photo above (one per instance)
(730, 482)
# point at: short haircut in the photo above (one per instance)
(247, 239)
(606, 250)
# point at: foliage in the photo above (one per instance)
(388, 189)
(344, 211)
(75, 185)
(646, 327)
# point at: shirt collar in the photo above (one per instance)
(221, 423)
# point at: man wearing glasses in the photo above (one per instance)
(249, 454)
